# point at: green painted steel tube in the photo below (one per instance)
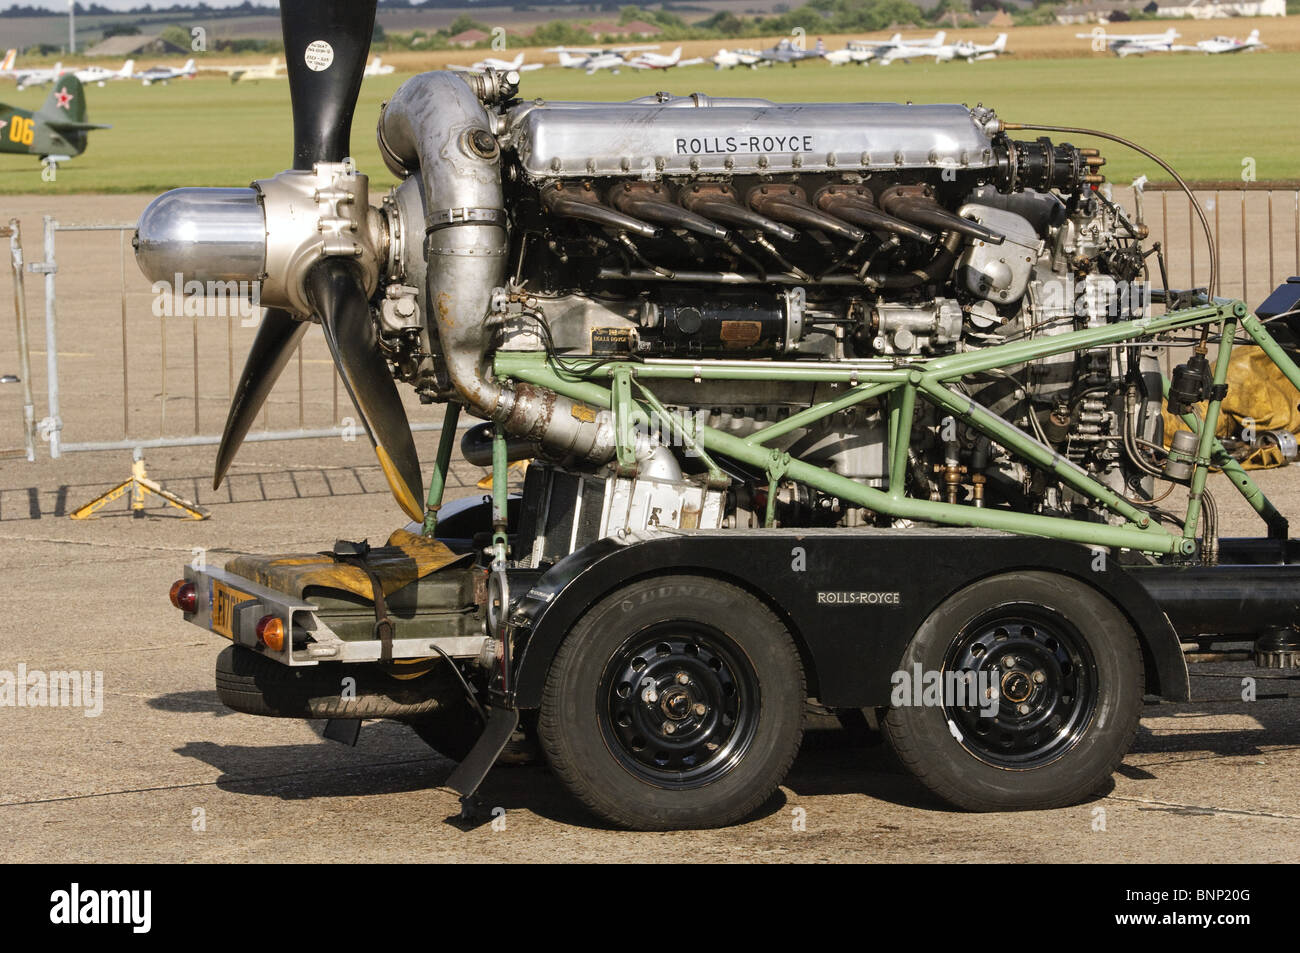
(441, 466)
(1255, 328)
(1018, 352)
(857, 395)
(1036, 453)
(500, 494)
(1236, 473)
(1153, 539)
(902, 409)
(1206, 441)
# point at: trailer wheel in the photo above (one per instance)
(675, 702)
(1042, 686)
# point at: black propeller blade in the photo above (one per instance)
(334, 288)
(277, 336)
(326, 43)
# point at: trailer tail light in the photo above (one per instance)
(184, 596)
(270, 632)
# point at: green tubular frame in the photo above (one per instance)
(621, 387)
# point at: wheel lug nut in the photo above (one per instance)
(1039, 677)
(1022, 708)
(699, 708)
(1009, 661)
(669, 727)
(683, 678)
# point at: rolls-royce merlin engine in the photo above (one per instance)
(734, 245)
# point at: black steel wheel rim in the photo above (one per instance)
(678, 704)
(1040, 670)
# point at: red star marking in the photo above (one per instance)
(64, 99)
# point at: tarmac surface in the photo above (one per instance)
(165, 773)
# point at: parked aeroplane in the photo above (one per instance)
(99, 75)
(251, 74)
(650, 60)
(787, 51)
(1230, 44)
(593, 59)
(858, 51)
(965, 50)
(37, 77)
(165, 74)
(730, 59)
(376, 68)
(492, 62)
(896, 48)
(55, 132)
(1135, 44)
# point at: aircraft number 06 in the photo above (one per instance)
(22, 130)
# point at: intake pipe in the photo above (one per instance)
(436, 126)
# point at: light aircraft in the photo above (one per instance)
(56, 132)
(786, 51)
(165, 74)
(37, 77)
(900, 49)
(492, 62)
(376, 68)
(861, 52)
(251, 74)
(1135, 44)
(730, 59)
(1230, 44)
(592, 59)
(965, 50)
(99, 75)
(659, 61)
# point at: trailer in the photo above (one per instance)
(853, 402)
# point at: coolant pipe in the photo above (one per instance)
(436, 126)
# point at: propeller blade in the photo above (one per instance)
(326, 43)
(334, 288)
(277, 336)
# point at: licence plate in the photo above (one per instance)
(224, 600)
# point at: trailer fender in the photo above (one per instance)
(852, 600)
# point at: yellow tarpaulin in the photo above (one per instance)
(407, 557)
(1258, 396)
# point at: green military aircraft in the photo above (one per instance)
(55, 132)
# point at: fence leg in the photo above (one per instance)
(139, 486)
(24, 355)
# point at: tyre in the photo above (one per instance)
(251, 683)
(1058, 683)
(451, 731)
(675, 702)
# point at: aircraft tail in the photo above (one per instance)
(938, 38)
(127, 70)
(675, 55)
(66, 102)
(8, 62)
(1000, 43)
(1253, 38)
(188, 69)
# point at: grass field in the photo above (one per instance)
(1206, 115)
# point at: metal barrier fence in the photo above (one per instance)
(1256, 229)
(192, 361)
(13, 232)
(115, 328)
